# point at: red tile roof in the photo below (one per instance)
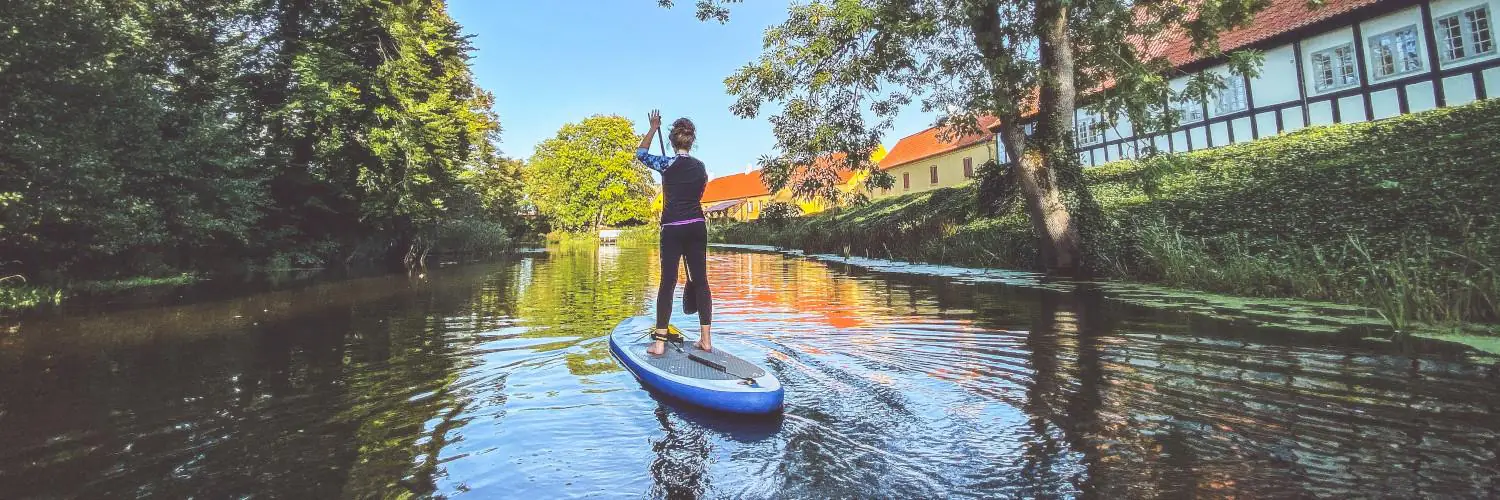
(733, 187)
(1281, 17)
(926, 144)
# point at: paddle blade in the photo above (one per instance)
(711, 363)
(690, 298)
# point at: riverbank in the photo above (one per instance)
(1335, 323)
(1398, 216)
(20, 297)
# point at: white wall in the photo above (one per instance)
(1291, 119)
(1442, 8)
(1317, 43)
(1265, 124)
(1352, 109)
(1199, 136)
(1220, 134)
(1411, 16)
(1385, 103)
(1178, 85)
(1222, 71)
(1242, 130)
(1459, 89)
(1420, 97)
(1276, 85)
(1320, 113)
(1277, 82)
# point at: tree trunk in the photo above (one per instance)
(1062, 248)
(1035, 158)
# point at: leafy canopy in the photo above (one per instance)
(840, 70)
(588, 176)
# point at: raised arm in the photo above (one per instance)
(643, 153)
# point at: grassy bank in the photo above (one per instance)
(16, 295)
(1397, 215)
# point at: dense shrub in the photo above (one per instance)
(1398, 214)
(779, 212)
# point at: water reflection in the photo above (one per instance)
(495, 381)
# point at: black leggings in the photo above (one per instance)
(687, 242)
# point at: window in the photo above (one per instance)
(1395, 52)
(906, 181)
(1089, 131)
(1232, 97)
(1466, 34)
(932, 171)
(1334, 68)
(968, 168)
(1189, 112)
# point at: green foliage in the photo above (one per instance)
(588, 176)
(779, 212)
(469, 237)
(148, 137)
(1399, 215)
(840, 70)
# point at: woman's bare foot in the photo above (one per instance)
(657, 348)
(705, 341)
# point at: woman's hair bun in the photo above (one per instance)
(684, 133)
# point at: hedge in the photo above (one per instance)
(1398, 214)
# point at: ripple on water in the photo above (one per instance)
(903, 382)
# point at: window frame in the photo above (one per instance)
(968, 167)
(1086, 131)
(1399, 59)
(1233, 82)
(1465, 34)
(1182, 111)
(932, 173)
(1336, 69)
(906, 181)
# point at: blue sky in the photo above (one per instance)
(553, 62)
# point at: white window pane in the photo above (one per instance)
(1453, 38)
(1479, 30)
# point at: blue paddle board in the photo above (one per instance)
(715, 380)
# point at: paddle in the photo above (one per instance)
(661, 142)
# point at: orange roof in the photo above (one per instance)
(734, 187)
(834, 161)
(749, 184)
(926, 144)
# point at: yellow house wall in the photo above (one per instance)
(753, 206)
(747, 211)
(950, 170)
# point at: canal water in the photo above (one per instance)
(495, 381)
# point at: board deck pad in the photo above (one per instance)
(677, 363)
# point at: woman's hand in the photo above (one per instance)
(655, 118)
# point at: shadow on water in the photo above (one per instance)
(496, 381)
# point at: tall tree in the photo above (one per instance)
(142, 136)
(841, 69)
(587, 176)
(117, 145)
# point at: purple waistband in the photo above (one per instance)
(683, 222)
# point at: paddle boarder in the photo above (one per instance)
(684, 231)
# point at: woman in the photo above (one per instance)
(684, 232)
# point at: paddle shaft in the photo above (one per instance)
(661, 142)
